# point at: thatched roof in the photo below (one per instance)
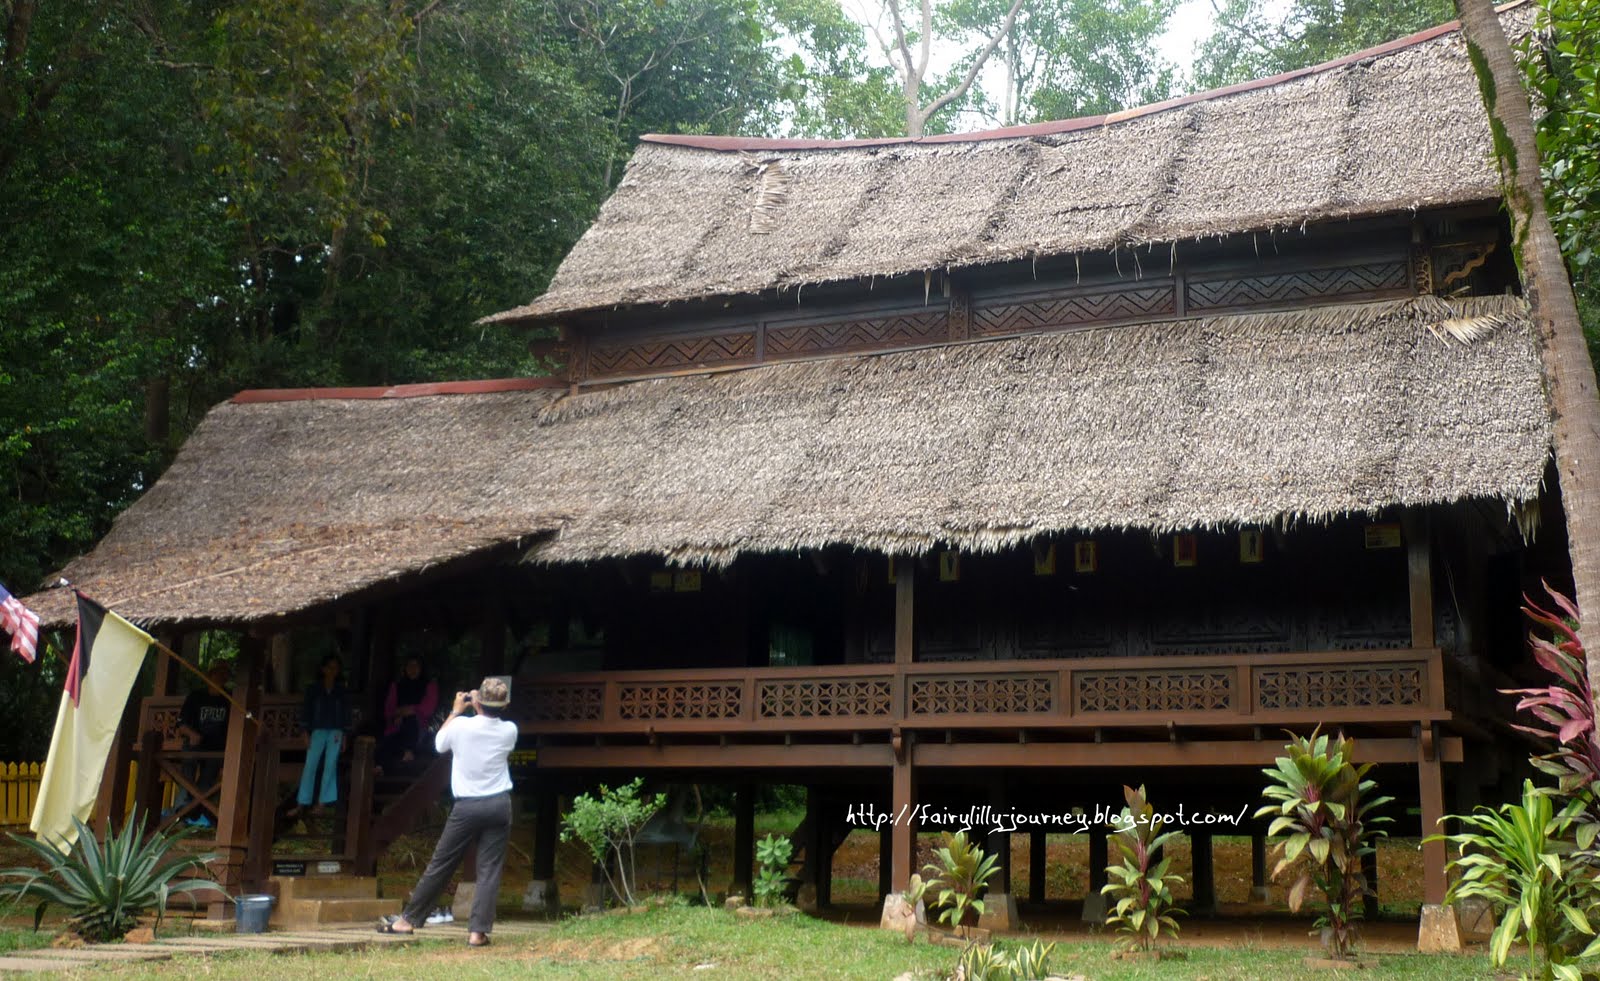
(1393, 129)
(275, 506)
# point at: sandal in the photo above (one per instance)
(386, 925)
(478, 943)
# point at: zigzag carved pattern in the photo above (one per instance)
(1074, 311)
(689, 352)
(1312, 284)
(851, 335)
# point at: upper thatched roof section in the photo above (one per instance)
(1388, 130)
(276, 506)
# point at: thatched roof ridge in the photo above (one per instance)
(1393, 129)
(1234, 420)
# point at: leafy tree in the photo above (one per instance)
(1068, 58)
(923, 97)
(1257, 38)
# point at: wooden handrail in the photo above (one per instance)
(1283, 688)
(402, 815)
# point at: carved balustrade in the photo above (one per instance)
(1252, 689)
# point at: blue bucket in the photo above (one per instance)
(251, 913)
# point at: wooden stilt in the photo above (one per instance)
(238, 765)
(744, 834)
(1431, 784)
(1204, 872)
(1038, 854)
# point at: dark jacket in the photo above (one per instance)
(324, 709)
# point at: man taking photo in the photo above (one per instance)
(479, 743)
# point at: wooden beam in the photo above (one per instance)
(1113, 754)
(1038, 851)
(700, 757)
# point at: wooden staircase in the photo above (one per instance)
(313, 901)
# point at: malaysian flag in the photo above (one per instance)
(21, 623)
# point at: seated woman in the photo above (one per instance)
(407, 708)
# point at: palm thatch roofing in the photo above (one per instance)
(1393, 129)
(275, 506)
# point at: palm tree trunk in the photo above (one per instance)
(1569, 373)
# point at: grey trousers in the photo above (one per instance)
(487, 819)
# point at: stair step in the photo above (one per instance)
(293, 887)
(295, 914)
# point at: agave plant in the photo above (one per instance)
(1322, 823)
(1140, 885)
(106, 886)
(959, 874)
(986, 962)
(1517, 859)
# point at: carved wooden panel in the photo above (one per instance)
(1212, 629)
(824, 698)
(164, 720)
(564, 703)
(1311, 284)
(1013, 694)
(1075, 310)
(1314, 687)
(897, 330)
(1163, 690)
(283, 722)
(713, 700)
(649, 357)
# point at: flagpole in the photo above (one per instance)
(163, 648)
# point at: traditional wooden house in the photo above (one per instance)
(1001, 469)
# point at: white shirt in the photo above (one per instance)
(480, 745)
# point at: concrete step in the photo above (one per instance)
(290, 887)
(301, 914)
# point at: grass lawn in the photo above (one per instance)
(705, 944)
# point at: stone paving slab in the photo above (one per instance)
(107, 953)
(16, 962)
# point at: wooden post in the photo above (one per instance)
(358, 807)
(813, 870)
(238, 765)
(1258, 869)
(546, 833)
(1038, 853)
(903, 844)
(1369, 868)
(492, 634)
(1430, 777)
(1205, 882)
(147, 792)
(744, 835)
(998, 843)
(281, 657)
(905, 601)
(1419, 569)
(263, 800)
(885, 862)
(1097, 860)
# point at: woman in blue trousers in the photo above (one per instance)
(325, 717)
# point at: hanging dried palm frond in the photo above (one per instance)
(772, 193)
(1467, 330)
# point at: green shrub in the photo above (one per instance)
(106, 886)
(959, 874)
(607, 825)
(983, 962)
(1321, 805)
(1140, 885)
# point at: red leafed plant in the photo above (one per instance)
(1564, 709)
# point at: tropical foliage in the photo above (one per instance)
(958, 874)
(986, 962)
(607, 824)
(1320, 806)
(772, 873)
(105, 886)
(1140, 885)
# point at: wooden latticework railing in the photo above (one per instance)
(1389, 686)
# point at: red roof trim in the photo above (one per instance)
(257, 395)
(742, 143)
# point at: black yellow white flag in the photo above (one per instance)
(105, 664)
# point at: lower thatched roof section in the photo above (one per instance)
(1221, 421)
